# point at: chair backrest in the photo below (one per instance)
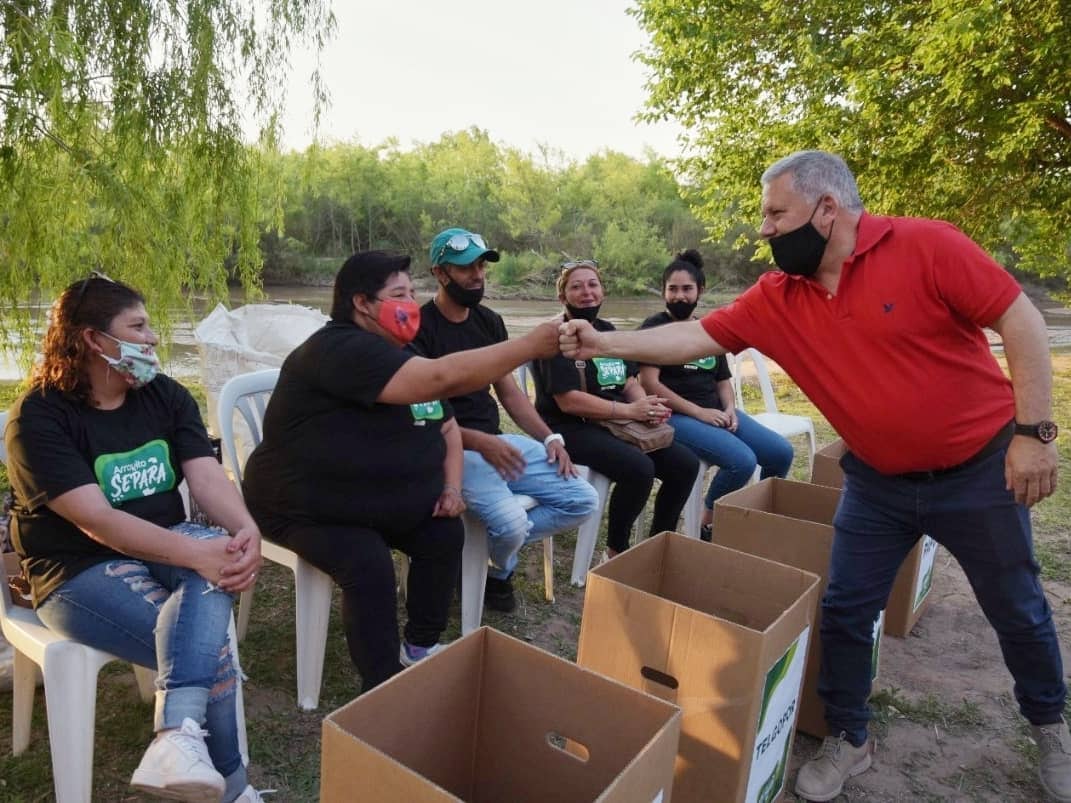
(769, 401)
(522, 374)
(248, 395)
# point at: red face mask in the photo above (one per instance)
(400, 318)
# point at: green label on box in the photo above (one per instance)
(879, 628)
(924, 578)
(777, 714)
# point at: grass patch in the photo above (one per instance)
(889, 703)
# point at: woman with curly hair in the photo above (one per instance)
(97, 448)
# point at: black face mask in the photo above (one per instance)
(681, 310)
(583, 313)
(799, 252)
(459, 295)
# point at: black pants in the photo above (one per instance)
(359, 560)
(633, 472)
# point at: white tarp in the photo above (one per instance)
(249, 338)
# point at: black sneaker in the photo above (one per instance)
(706, 533)
(498, 594)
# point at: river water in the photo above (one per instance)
(520, 316)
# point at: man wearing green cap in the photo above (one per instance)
(497, 466)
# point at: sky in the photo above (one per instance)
(529, 72)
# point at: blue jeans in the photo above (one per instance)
(971, 514)
(564, 502)
(167, 618)
(736, 454)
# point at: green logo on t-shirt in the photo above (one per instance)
(134, 474)
(427, 411)
(702, 364)
(610, 371)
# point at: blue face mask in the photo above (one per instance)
(137, 363)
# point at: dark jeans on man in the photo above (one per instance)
(633, 472)
(359, 560)
(970, 513)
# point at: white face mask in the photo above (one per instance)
(137, 362)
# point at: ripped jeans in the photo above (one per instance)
(168, 618)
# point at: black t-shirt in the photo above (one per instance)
(439, 336)
(605, 377)
(133, 453)
(695, 381)
(332, 453)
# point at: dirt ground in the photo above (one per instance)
(968, 741)
(946, 727)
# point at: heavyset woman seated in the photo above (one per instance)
(360, 457)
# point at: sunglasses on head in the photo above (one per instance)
(93, 274)
(459, 243)
(580, 263)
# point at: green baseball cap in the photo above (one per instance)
(459, 247)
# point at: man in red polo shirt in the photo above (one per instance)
(879, 321)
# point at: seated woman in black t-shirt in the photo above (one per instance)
(359, 457)
(612, 392)
(96, 451)
(700, 393)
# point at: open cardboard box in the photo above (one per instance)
(911, 589)
(790, 522)
(720, 633)
(490, 718)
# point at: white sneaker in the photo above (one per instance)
(251, 795)
(177, 767)
(410, 654)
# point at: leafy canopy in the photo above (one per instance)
(943, 108)
(121, 138)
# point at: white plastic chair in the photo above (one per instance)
(248, 394)
(693, 508)
(70, 671)
(781, 423)
(474, 557)
(588, 532)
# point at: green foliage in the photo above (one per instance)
(536, 210)
(946, 109)
(121, 142)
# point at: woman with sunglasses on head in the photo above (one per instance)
(572, 405)
(359, 457)
(700, 394)
(97, 448)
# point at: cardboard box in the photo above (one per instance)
(790, 522)
(910, 592)
(493, 719)
(826, 468)
(720, 633)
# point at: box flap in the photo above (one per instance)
(408, 702)
(568, 732)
